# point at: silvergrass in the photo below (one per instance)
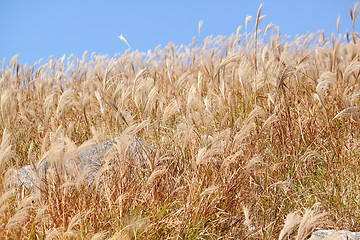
(250, 120)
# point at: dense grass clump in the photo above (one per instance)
(255, 139)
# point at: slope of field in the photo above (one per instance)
(256, 137)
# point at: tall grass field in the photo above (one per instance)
(256, 136)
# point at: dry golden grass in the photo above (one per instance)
(256, 139)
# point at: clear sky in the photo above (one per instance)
(39, 28)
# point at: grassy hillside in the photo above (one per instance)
(257, 137)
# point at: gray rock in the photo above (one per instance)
(335, 235)
(86, 163)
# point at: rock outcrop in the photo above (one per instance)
(88, 162)
(335, 235)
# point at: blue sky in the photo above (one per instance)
(40, 28)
